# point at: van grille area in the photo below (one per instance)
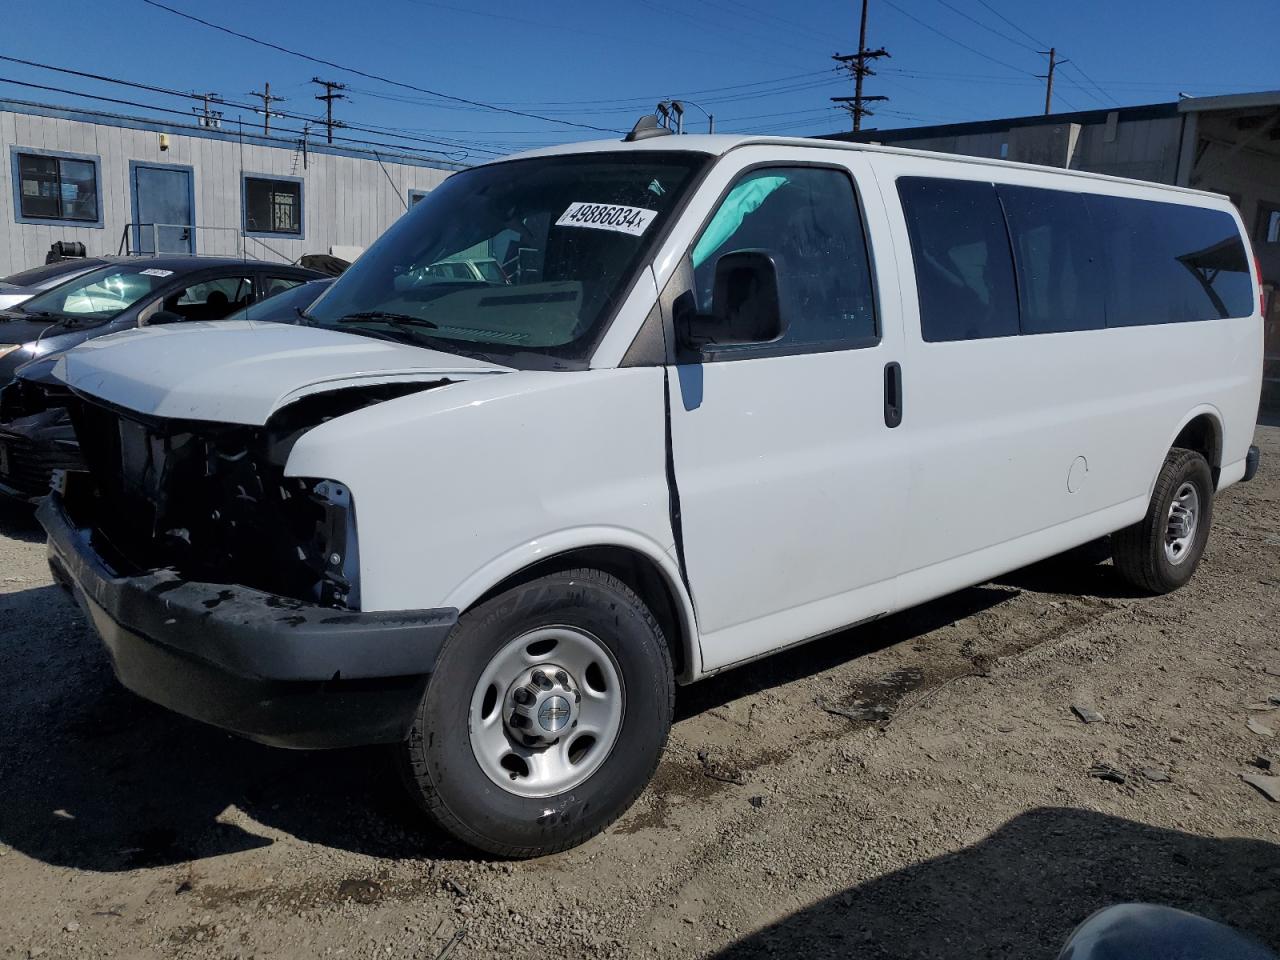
(207, 500)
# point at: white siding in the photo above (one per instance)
(347, 200)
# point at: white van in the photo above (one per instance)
(726, 394)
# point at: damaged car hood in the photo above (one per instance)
(242, 372)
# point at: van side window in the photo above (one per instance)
(1169, 263)
(808, 219)
(963, 266)
(1059, 273)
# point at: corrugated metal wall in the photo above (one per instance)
(346, 200)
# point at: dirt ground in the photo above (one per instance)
(954, 815)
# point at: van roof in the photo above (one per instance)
(719, 144)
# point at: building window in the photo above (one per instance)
(56, 187)
(273, 206)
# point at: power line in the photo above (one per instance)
(989, 29)
(168, 91)
(857, 65)
(186, 115)
(1038, 43)
(1093, 83)
(932, 29)
(368, 76)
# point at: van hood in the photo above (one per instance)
(244, 371)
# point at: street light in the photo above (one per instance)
(669, 107)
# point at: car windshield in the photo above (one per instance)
(48, 271)
(100, 294)
(522, 262)
(283, 307)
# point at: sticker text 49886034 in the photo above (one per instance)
(607, 216)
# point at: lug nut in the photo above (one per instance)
(541, 680)
(523, 696)
(562, 678)
(519, 720)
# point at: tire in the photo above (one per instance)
(1140, 550)
(448, 760)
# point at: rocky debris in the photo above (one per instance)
(1154, 774)
(1269, 787)
(1261, 762)
(1260, 728)
(360, 889)
(1104, 771)
(756, 802)
(1087, 712)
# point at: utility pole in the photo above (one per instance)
(1054, 63)
(267, 99)
(328, 97)
(210, 119)
(857, 64)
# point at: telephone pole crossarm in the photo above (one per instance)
(859, 65)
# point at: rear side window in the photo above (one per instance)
(1059, 274)
(808, 219)
(964, 270)
(1168, 263)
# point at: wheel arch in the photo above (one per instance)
(635, 560)
(1200, 430)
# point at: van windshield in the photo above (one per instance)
(521, 262)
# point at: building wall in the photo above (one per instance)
(348, 200)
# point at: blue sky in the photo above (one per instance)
(759, 66)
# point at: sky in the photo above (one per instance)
(495, 77)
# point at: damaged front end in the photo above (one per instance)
(211, 501)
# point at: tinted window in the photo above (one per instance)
(210, 299)
(808, 219)
(272, 206)
(1168, 263)
(57, 188)
(1059, 276)
(274, 285)
(964, 271)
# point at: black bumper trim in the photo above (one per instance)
(1251, 462)
(270, 668)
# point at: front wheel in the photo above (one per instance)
(1160, 552)
(545, 717)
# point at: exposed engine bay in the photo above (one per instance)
(211, 501)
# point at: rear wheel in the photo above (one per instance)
(1160, 552)
(545, 717)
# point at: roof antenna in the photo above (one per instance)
(646, 127)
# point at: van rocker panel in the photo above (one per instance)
(272, 669)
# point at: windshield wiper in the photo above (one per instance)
(385, 316)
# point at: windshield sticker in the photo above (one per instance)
(607, 216)
(156, 272)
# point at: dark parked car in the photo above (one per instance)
(19, 287)
(35, 434)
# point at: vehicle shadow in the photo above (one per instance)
(1082, 571)
(95, 778)
(1022, 890)
(18, 521)
(819, 655)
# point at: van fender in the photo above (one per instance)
(1205, 408)
(551, 545)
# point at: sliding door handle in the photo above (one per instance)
(892, 394)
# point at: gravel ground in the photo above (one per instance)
(952, 815)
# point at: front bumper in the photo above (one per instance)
(269, 668)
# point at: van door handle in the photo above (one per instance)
(892, 394)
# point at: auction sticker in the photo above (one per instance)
(156, 272)
(607, 216)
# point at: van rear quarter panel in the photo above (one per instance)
(458, 487)
(997, 424)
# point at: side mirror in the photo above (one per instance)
(745, 306)
(164, 316)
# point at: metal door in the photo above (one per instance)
(163, 209)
